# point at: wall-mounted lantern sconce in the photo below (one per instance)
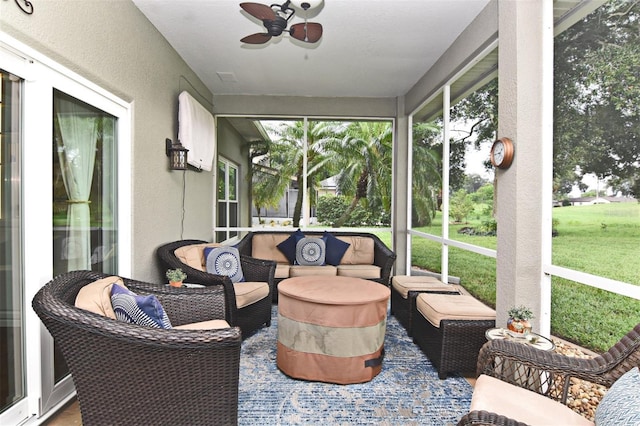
(177, 155)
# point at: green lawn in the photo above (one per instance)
(602, 239)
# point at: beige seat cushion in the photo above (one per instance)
(282, 270)
(360, 251)
(305, 271)
(193, 255)
(404, 283)
(96, 296)
(359, 271)
(204, 325)
(520, 404)
(436, 307)
(250, 292)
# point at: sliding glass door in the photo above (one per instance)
(12, 341)
(64, 185)
(84, 182)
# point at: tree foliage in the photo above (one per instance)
(283, 165)
(597, 93)
(596, 101)
(427, 172)
(460, 205)
(363, 158)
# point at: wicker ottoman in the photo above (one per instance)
(404, 288)
(331, 329)
(450, 330)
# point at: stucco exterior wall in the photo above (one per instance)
(523, 191)
(113, 45)
(298, 106)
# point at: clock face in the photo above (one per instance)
(502, 153)
(498, 153)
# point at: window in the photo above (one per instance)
(227, 199)
(329, 173)
(451, 185)
(596, 172)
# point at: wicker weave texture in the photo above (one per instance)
(128, 374)
(478, 418)
(524, 361)
(452, 347)
(250, 318)
(517, 364)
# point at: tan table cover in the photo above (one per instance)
(331, 329)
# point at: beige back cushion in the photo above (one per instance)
(193, 255)
(360, 251)
(96, 297)
(265, 246)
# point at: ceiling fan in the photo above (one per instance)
(275, 19)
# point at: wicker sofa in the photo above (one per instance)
(366, 256)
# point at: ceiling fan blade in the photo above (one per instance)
(309, 32)
(260, 11)
(257, 38)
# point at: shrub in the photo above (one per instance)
(460, 205)
(489, 227)
(330, 208)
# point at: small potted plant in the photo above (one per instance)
(518, 321)
(176, 276)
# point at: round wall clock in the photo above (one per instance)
(502, 153)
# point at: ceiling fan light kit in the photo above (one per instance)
(306, 5)
(275, 19)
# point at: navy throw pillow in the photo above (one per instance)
(288, 246)
(140, 310)
(335, 249)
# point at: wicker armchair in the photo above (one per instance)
(126, 373)
(249, 318)
(548, 373)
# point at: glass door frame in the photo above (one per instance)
(41, 76)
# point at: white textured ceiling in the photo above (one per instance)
(369, 48)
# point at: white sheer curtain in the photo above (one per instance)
(76, 148)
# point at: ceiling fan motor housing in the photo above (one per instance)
(276, 26)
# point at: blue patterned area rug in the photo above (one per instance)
(406, 392)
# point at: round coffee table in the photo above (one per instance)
(532, 339)
(331, 329)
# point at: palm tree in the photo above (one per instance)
(286, 156)
(363, 156)
(426, 182)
